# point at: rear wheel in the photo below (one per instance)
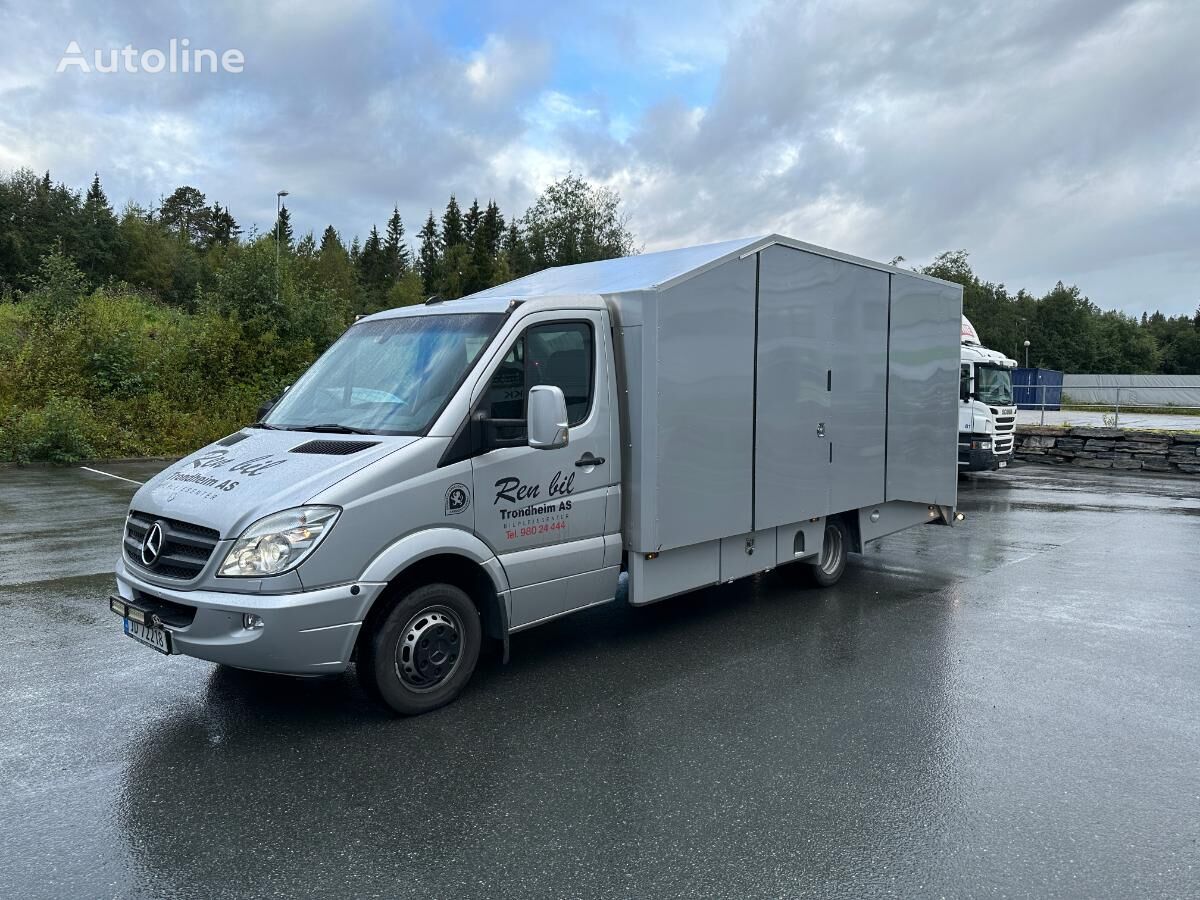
(835, 546)
(423, 652)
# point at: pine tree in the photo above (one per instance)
(373, 272)
(430, 255)
(98, 250)
(330, 240)
(471, 222)
(96, 195)
(452, 225)
(283, 229)
(493, 228)
(395, 249)
(516, 252)
(335, 271)
(485, 247)
(221, 227)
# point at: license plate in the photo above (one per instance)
(151, 637)
(1004, 464)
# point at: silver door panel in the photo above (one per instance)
(537, 602)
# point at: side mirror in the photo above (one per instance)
(547, 416)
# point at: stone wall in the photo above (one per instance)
(1110, 448)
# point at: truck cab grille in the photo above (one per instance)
(1006, 426)
(1004, 421)
(183, 552)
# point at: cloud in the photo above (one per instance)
(503, 69)
(1047, 138)
(1052, 138)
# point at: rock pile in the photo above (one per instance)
(1110, 448)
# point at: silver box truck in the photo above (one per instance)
(641, 427)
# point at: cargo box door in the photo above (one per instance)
(791, 447)
(822, 386)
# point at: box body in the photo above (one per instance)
(783, 385)
(763, 385)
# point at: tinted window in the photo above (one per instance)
(559, 354)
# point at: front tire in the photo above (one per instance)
(423, 651)
(835, 547)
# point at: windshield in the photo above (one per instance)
(390, 376)
(993, 385)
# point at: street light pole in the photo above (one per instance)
(279, 195)
(1027, 354)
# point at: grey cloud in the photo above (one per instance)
(916, 130)
(1053, 138)
(367, 110)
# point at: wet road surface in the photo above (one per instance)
(1004, 709)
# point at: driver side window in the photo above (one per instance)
(560, 353)
(964, 383)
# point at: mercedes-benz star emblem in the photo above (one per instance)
(152, 544)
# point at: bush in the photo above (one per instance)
(116, 372)
(62, 431)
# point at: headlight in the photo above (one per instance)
(279, 542)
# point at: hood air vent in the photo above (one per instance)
(334, 448)
(232, 439)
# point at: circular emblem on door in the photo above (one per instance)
(152, 544)
(458, 498)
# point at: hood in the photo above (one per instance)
(250, 474)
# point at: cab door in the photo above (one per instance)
(543, 511)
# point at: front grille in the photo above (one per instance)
(1003, 444)
(185, 547)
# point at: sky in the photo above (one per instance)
(1053, 139)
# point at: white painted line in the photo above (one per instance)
(110, 475)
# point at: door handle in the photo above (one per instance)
(588, 460)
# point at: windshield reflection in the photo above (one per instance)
(994, 385)
(390, 376)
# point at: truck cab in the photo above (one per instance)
(987, 413)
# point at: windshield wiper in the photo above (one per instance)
(264, 425)
(331, 428)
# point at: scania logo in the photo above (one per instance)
(152, 544)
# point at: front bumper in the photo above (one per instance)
(974, 456)
(302, 633)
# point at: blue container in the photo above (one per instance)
(1033, 387)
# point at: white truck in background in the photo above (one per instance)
(987, 416)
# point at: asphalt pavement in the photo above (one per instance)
(1008, 708)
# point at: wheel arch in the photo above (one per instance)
(447, 555)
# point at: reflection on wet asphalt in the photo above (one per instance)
(1007, 708)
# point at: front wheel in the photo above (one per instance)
(423, 652)
(835, 546)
